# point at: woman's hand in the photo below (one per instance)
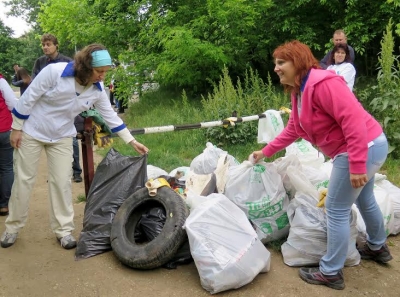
(257, 156)
(140, 148)
(358, 180)
(16, 138)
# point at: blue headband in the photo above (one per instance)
(101, 58)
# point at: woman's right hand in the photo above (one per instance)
(16, 138)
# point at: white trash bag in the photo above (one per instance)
(292, 163)
(154, 172)
(306, 153)
(207, 161)
(307, 240)
(394, 194)
(270, 126)
(258, 190)
(223, 244)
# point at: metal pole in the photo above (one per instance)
(229, 121)
(87, 138)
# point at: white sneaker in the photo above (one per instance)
(68, 242)
(8, 239)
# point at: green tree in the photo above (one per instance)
(188, 42)
(8, 48)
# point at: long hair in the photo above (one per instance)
(83, 62)
(23, 75)
(301, 57)
(335, 49)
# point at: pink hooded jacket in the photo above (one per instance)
(330, 118)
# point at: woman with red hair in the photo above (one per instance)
(326, 113)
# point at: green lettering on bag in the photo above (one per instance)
(258, 205)
(263, 209)
(302, 147)
(386, 220)
(266, 228)
(282, 221)
(274, 122)
(324, 184)
(259, 168)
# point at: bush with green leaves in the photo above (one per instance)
(251, 97)
(383, 99)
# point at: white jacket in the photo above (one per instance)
(346, 70)
(50, 104)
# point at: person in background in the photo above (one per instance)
(43, 119)
(339, 61)
(51, 55)
(327, 114)
(7, 103)
(338, 37)
(21, 79)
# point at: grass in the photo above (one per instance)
(81, 198)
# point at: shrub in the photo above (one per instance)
(251, 97)
(383, 99)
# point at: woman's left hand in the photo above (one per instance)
(140, 148)
(358, 180)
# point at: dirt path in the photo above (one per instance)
(37, 266)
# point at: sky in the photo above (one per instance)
(17, 24)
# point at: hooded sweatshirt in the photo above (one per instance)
(330, 118)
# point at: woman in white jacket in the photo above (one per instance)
(43, 119)
(340, 63)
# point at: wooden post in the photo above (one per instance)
(87, 154)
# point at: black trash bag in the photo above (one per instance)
(116, 178)
(152, 223)
(182, 256)
(150, 226)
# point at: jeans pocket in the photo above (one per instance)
(379, 153)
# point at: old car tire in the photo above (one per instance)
(160, 250)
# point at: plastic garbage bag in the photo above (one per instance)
(307, 240)
(207, 161)
(224, 245)
(152, 222)
(394, 194)
(306, 153)
(182, 256)
(115, 179)
(153, 172)
(258, 190)
(270, 126)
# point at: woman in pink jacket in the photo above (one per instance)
(326, 113)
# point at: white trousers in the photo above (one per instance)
(26, 162)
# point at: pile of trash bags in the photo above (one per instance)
(237, 208)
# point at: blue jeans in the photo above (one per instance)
(6, 168)
(341, 196)
(76, 167)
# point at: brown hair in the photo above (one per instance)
(83, 62)
(49, 37)
(335, 49)
(301, 57)
(23, 75)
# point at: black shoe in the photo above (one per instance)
(77, 178)
(381, 256)
(316, 277)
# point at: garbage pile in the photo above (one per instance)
(220, 213)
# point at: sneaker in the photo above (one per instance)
(77, 178)
(8, 239)
(316, 277)
(381, 256)
(68, 242)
